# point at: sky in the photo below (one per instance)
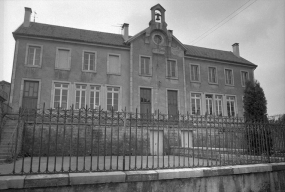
(259, 29)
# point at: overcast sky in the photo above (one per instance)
(259, 29)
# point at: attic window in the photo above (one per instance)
(157, 39)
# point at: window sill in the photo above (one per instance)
(143, 75)
(89, 71)
(229, 85)
(33, 66)
(62, 69)
(213, 83)
(174, 78)
(195, 81)
(118, 74)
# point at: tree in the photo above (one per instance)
(258, 134)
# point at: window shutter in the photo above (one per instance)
(140, 65)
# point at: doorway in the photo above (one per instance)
(156, 142)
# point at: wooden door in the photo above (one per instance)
(156, 142)
(30, 97)
(172, 104)
(145, 103)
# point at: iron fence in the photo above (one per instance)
(86, 140)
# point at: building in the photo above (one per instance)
(4, 91)
(150, 71)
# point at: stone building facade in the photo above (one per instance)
(150, 71)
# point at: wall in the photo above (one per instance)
(248, 178)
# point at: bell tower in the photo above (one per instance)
(158, 17)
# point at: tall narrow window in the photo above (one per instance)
(80, 96)
(209, 104)
(63, 59)
(89, 61)
(94, 97)
(60, 95)
(34, 55)
(219, 105)
(212, 75)
(231, 106)
(229, 77)
(171, 69)
(145, 66)
(196, 103)
(114, 64)
(113, 98)
(244, 78)
(195, 73)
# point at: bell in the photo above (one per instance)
(157, 17)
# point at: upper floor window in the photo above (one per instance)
(229, 78)
(89, 61)
(60, 95)
(244, 77)
(212, 75)
(145, 66)
(195, 73)
(171, 69)
(114, 64)
(196, 103)
(63, 58)
(34, 55)
(231, 106)
(113, 98)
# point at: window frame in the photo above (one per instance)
(195, 103)
(80, 95)
(95, 61)
(199, 73)
(213, 101)
(222, 104)
(27, 55)
(150, 65)
(119, 95)
(108, 64)
(235, 105)
(89, 94)
(53, 92)
(216, 75)
(225, 75)
(241, 76)
(57, 55)
(176, 69)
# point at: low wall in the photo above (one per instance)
(257, 178)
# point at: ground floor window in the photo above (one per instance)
(219, 105)
(94, 97)
(61, 95)
(231, 106)
(113, 98)
(80, 96)
(196, 103)
(209, 104)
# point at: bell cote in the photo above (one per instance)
(158, 16)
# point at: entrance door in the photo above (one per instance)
(145, 103)
(156, 142)
(172, 104)
(30, 96)
(187, 139)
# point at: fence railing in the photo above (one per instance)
(56, 141)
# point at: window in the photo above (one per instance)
(219, 105)
(244, 77)
(89, 61)
(34, 54)
(196, 103)
(231, 106)
(145, 66)
(212, 75)
(209, 104)
(60, 95)
(195, 73)
(63, 59)
(229, 77)
(113, 98)
(80, 96)
(94, 97)
(171, 69)
(114, 64)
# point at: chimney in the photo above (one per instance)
(236, 49)
(125, 31)
(27, 18)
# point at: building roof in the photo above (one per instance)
(81, 35)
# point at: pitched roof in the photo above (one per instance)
(67, 33)
(81, 35)
(215, 54)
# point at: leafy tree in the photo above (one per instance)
(258, 134)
